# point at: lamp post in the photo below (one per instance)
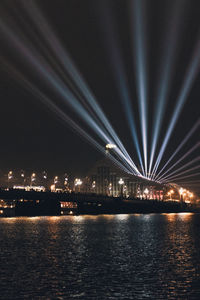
(66, 187)
(53, 188)
(184, 194)
(191, 195)
(10, 176)
(110, 189)
(93, 186)
(170, 194)
(181, 190)
(22, 175)
(125, 190)
(55, 181)
(121, 182)
(65, 180)
(44, 177)
(146, 192)
(78, 182)
(33, 178)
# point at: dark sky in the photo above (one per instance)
(32, 137)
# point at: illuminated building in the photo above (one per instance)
(106, 179)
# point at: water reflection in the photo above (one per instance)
(185, 216)
(171, 217)
(101, 257)
(79, 219)
(122, 217)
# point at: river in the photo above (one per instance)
(152, 256)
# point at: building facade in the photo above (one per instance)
(106, 179)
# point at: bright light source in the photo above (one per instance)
(53, 188)
(181, 191)
(78, 181)
(110, 146)
(121, 181)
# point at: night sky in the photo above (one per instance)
(32, 137)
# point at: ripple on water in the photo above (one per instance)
(101, 257)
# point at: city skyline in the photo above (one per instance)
(144, 84)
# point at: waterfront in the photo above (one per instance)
(153, 256)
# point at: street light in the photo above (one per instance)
(22, 176)
(33, 177)
(44, 175)
(191, 195)
(170, 194)
(125, 190)
(10, 176)
(78, 182)
(146, 192)
(184, 194)
(55, 179)
(93, 185)
(65, 180)
(121, 182)
(53, 188)
(110, 189)
(181, 190)
(44, 178)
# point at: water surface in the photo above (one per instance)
(101, 257)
